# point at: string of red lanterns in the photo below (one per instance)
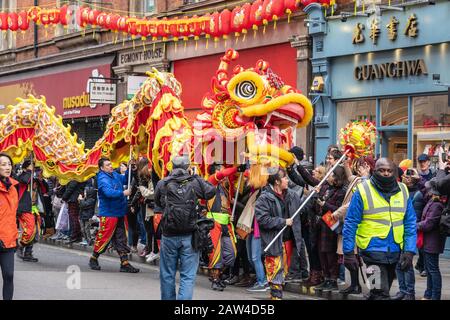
(215, 26)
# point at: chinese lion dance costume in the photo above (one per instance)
(251, 109)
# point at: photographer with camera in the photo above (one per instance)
(177, 195)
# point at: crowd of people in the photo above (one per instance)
(367, 212)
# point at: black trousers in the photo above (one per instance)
(381, 280)
(7, 266)
(132, 228)
(152, 244)
(312, 248)
(241, 258)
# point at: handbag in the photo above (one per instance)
(62, 224)
(419, 242)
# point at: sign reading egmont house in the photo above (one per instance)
(396, 69)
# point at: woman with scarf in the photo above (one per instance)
(327, 244)
(9, 202)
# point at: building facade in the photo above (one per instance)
(389, 66)
(59, 63)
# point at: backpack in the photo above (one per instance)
(180, 215)
(444, 223)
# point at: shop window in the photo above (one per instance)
(431, 126)
(143, 7)
(348, 111)
(7, 40)
(394, 112)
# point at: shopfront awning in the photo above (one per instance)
(64, 86)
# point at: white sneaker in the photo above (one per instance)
(152, 257)
(340, 282)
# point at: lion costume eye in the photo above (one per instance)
(246, 88)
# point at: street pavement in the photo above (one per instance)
(63, 274)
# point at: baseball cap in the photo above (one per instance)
(423, 157)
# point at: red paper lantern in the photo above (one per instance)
(64, 15)
(101, 19)
(112, 22)
(83, 16)
(195, 27)
(153, 29)
(240, 19)
(213, 26)
(278, 9)
(267, 11)
(142, 28)
(122, 24)
(23, 21)
(44, 17)
(34, 14)
(256, 14)
(13, 23)
(132, 27)
(3, 21)
(174, 29)
(184, 29)
(291, 6)
(325, 3)
(225, 23)
(92, 18)
(53, 16)
(163, 29)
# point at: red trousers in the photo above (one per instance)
(30, 225)
(114, 230)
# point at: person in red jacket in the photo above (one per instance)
(8, 227)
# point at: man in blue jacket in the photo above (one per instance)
(112, 210)
(382, 221)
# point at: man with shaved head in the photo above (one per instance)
(382, 222)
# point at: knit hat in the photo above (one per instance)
(298, 152)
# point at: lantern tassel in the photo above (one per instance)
(364, 6)
(289, 17)
(143, 44)
(93, 33)
(243, 38)
(196, 45)
(274, 24)
(264, 29)
(184, 49)
(355, 7)
(154, 46)
(176, 46)
(207, 41)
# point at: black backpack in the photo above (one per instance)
(444, 223)
(180, 215)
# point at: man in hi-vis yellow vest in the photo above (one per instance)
(381, 221)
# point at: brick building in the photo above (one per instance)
(58, 62)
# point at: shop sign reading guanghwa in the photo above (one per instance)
(397, 69)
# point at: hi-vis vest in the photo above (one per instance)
(379, 215)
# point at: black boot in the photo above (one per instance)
(354, 287)
(28, 255)
(216, 282)
(127, 267)
(93, 263)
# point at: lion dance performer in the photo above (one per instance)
(222, 235)
(28, 218)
